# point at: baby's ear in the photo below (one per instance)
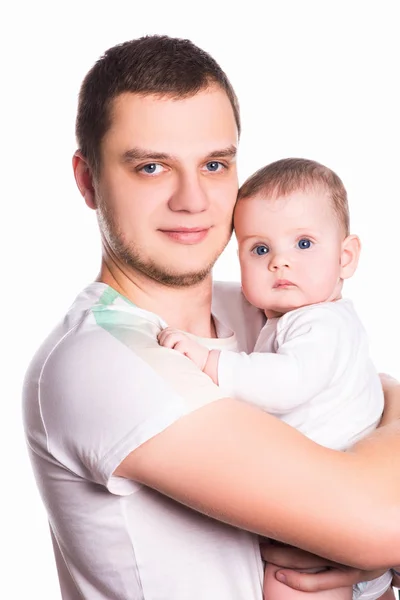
(351, 248)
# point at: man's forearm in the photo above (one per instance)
(240, 465)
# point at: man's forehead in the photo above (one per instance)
(201, 124)
(214, 97)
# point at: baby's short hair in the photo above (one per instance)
(288, 175)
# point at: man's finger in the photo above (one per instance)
(326, 580)
(293, 558)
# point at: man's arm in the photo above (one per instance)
(242, 466)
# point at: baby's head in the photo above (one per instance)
(292, 226)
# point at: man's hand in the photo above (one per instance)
(331, 576)
(391, 390)
(176, 340)
(396, 577)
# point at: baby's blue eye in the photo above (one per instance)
(260, 250)
(304, 244)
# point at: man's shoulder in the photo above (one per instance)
(230, 287)
(98, 325)
(229, 294)
(233, 310)
(104, 359)
(228, 298)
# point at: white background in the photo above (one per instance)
(315, 79)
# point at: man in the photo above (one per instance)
(127, 438)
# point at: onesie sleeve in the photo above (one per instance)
(312, 345)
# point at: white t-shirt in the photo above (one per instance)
(100, 386)
(312, 369)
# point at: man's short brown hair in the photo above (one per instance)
(288, 175)
(154, 64)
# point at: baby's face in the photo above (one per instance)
(289, 250)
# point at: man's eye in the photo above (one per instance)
(304, 244)
(260, 250)
(151, 169)
(214, 166)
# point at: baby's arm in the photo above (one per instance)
(206, 360)
(312, 345)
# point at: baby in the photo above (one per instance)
(310, 366)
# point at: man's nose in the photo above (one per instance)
(189, 195)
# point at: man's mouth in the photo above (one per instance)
(186, 235)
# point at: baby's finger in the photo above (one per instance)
(161, 337)
(182, 346)
(168, 333)
(171, 340)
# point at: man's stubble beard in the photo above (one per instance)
(130, 255)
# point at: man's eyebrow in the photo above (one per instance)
(142, 154)
(137, 153)
(228, 152)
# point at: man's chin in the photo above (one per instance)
(180, 271)
(182, 279)
(178, 278)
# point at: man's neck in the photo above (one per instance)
(184, 308)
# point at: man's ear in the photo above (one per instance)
(351, 248)
(84, 179)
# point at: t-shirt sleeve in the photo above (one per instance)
(100, 399)
(312, 346)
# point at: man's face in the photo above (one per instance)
(168, 184)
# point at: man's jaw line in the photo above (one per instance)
(134, 282)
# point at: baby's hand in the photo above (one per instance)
(176, 340)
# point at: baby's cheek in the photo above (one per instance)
(254, 288)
